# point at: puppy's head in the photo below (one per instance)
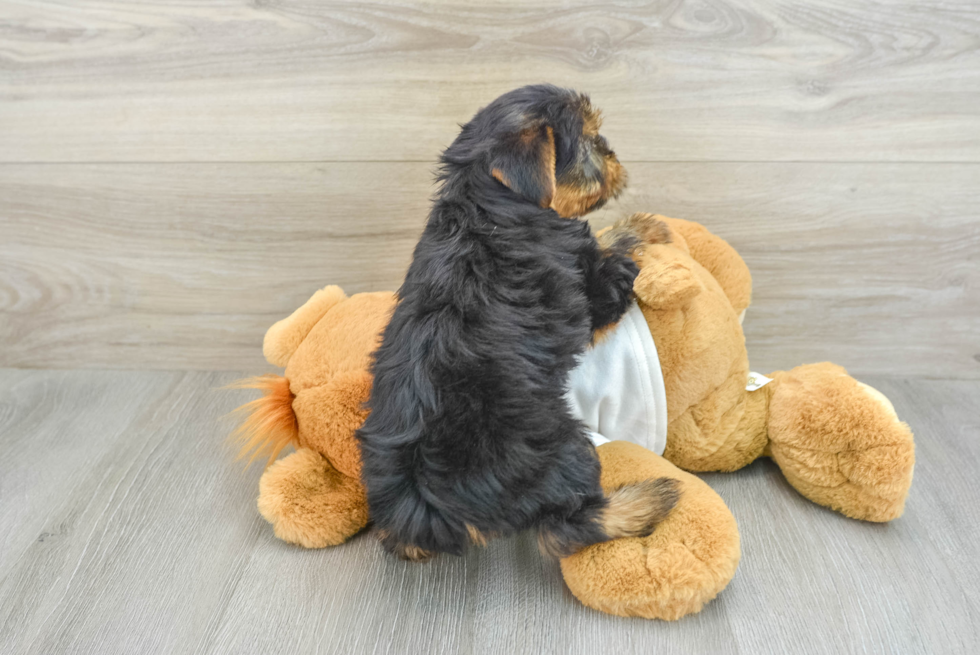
(543, 143)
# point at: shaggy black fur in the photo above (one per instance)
(469, 428)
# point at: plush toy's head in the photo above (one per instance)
(543, 143)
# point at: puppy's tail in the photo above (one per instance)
(269, 424)
(632, 510)
(635, 510)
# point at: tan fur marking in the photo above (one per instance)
(602, 334)
(616, 178)
(477, 538)
(404, 551)
(571, 201)
(414, 554)
(592, 121)
(548, 156)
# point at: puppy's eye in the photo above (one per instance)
(602, 146)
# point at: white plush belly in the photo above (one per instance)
(617, 389)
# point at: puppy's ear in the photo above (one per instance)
(527, 164)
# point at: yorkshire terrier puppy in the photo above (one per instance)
(469, 434)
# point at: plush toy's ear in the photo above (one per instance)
(527, 165)
(283, 338)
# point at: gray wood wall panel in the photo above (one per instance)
(276, 147)
(184, 266)
(125, 527)
(291, 80)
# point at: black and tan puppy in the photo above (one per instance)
(469, 433)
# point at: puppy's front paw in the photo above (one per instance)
(621, 273)
(618, 275)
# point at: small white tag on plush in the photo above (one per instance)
(757, 381)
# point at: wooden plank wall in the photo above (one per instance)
(174, 177)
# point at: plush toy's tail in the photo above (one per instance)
(269, 424)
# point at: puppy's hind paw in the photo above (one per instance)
(403, 551)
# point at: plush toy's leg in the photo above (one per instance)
(839, 442)
(310, 503)
(689, 558)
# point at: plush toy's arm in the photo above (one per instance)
(284, 337)
(718, 257)
(666, 280)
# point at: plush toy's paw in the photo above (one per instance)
(310, 503)
(717, 256)
(687, 560)
(840, 443)
(666, 280)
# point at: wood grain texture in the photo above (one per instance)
(171, 266)
(125, 527)
(294, 80)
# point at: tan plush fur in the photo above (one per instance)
(283, 338)
(838, 442)
(310, 503)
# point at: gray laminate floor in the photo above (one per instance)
(125, 527)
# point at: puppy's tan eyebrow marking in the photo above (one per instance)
(593, 121)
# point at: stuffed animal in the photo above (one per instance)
(837, 441)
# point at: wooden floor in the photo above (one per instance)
(175, 176)
(125, 528)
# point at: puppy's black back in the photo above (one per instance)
(468, 395)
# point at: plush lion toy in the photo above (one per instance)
(838, 442)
